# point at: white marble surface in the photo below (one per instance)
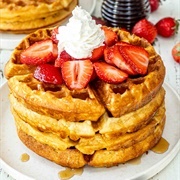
(163, 46)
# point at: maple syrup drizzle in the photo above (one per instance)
(69, 173)
(161, 147)
(25, 157)
(135, 161)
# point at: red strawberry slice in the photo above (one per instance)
(39, 53)
(63, 57)
(137, 57)
(55, 51)
(54, 32)
(113, 56)
(122, 43)
(48, 73)
(94, 75)
(97, 53)
(108, 73)
(108, 55)
(110, 36)
(77, 73)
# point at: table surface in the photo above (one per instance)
(163, 46)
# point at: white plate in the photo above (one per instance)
(10, 41)
(41, 169)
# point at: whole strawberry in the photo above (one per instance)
(145, 29)
(167, 26)
(154, 5)
(176, 52)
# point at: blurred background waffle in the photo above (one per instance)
(38, 14)
(19, 16)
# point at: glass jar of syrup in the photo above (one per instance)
(124, 13)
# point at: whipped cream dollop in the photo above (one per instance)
(81, 35)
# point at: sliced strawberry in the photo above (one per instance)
(77, 73)
(110, 36)
(137, 57)
(108, 73)
(97, 53)
(113, 56)
(54, 32)
(122, 43)
(63, 57)
(108, 55)
(55, 51)
(59, 61)
(48, 73)
(39, 53)
(94, 75)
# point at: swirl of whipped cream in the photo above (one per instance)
(81, 35)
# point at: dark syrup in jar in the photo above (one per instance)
(124, 13)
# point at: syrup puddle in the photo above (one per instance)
(135, 161)
(161, 147)
(69, 173)
(24, 157)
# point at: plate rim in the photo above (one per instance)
(150, 172)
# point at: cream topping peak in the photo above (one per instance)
(81, 35)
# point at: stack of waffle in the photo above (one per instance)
(102, 125)
(24, 16)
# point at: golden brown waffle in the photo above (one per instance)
(101, 125)
(24, 16)
(135, 92)
(130, 145)
(14, 66)
(58, 101)
(106, 126)
(128, 96)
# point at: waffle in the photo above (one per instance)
(106, 126)
(135, 92)
(27, 16)
(128, 96)
(54, 150)
(100, 125)
(81, 104)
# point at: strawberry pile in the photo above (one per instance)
(113, 63)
